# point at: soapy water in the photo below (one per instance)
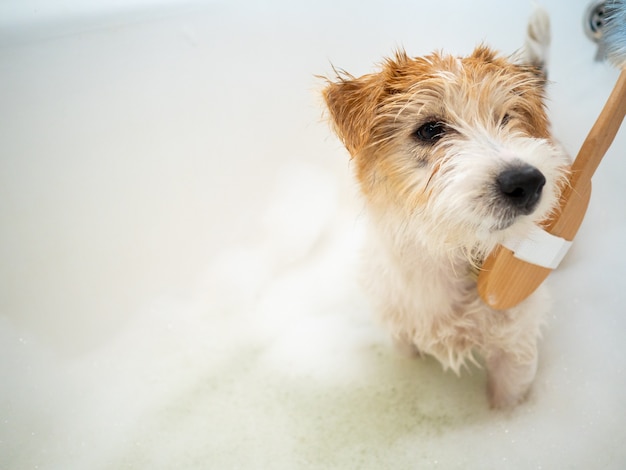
(181, 263)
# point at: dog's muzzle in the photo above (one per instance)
(521, 187)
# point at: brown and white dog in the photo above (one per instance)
(453, 156)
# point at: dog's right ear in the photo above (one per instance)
(353, 103)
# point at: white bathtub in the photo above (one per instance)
(179, 238)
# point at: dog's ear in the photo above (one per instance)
(353, 103)
(535, 51)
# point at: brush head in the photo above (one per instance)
(614, 32)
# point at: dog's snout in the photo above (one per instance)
(521, 186)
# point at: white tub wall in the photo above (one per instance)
(34, 20)
(179, 244)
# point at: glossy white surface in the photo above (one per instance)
(179, 249)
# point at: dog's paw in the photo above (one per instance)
(405, 346)
(509, 379)
(501, 397)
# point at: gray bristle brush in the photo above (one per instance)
(505, 280)
(614, 32)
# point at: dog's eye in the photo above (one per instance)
(505, 120)
(431, 132)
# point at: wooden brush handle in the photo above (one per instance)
(602, 133)
(504, 281)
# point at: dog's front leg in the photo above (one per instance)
(510, 375)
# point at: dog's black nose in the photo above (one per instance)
(521, 186)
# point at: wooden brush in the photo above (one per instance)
(506, 278)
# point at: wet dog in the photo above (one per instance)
(453, 155)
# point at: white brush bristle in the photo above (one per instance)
(614, 32)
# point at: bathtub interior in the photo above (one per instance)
(180, 262)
